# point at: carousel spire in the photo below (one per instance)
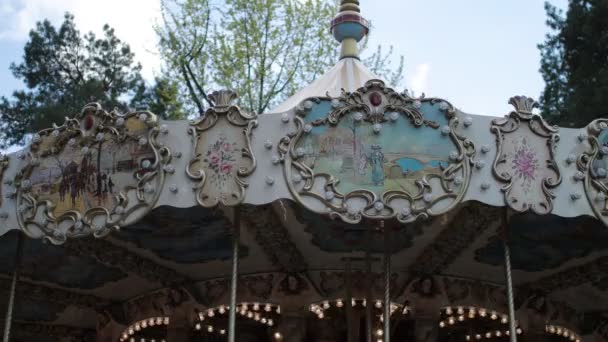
(349, 27)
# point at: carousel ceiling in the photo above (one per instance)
(65, 285)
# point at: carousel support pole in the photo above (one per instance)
(11, 298)
(368, 291)
(509, 279)
(234, 275)
(348, 302)
(387, 283)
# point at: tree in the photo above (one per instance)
(63, 70)
(161, 99)
(263, 49)
(574, 63)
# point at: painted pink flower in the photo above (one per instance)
(226, 168)
(525, 164)
(214, 158)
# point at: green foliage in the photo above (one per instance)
(264, 49)
(574, 63)
(161, 99)
(63, 70)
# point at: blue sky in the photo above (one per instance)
(474, 53)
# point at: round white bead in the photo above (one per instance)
(285, 118)
(445, 130)
(269, 180)
(308, 104)
(377, 128)
(379, 206)
(468, 121)
(454, 155)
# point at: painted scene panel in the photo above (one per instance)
(392, 159)
(83, 177)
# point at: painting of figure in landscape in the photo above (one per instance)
(393, 159)
(81, 178)
(600, 166)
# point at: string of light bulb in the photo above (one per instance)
(460, 314)
(258, 312)
(561, 331)
(319, 308)
(138, 326)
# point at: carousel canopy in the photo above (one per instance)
(129, 217)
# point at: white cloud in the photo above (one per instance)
(132, 20)
(418, 81)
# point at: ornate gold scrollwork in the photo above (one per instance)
(525, 158)
(3, 166)
(91, 175)
(222, 157)
(376, 180)
(593, 166)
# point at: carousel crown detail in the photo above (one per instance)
(349, 27)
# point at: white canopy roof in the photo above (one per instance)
(348, 74)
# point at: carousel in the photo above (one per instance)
(351, 212)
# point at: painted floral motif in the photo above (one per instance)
(221, 160)
(524, 163)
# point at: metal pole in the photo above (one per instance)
(507, 250)
(368, 291)
(234, 275)
(11, 298)
(348, 303)
(387, 283)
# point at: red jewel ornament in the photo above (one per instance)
(375, 99)
(88, 122)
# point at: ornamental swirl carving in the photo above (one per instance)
(95, 173)
(525, 158)
(594, 165)
(3, 166)
(222, 157)
(378, 154)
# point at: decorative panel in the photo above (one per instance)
(593, 166)
(91, 175)
(525, 158)
(376, 153)
(222, 156)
